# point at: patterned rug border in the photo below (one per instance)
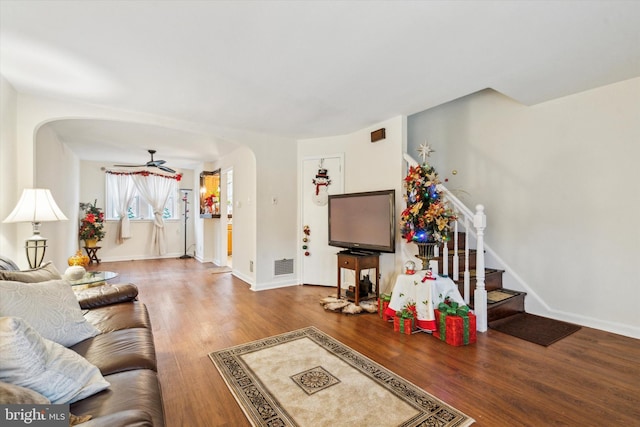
(261, 409)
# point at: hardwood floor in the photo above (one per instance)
(591, 378)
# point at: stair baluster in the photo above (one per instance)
(467, 273)
(456, 256)
(480, 294)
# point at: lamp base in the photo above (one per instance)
(35, 248)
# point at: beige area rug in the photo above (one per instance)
(307, 378)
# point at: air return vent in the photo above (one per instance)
(283, 266)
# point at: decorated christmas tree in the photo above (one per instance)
(428, 218)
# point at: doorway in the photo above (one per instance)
(227, 212)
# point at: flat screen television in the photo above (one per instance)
(363, 222)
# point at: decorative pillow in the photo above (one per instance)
(51, 308)
(15, 394)
(28, 360)
(43, 273)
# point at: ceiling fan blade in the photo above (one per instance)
(150, 164)
(166, 169)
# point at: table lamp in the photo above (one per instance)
(36, 205)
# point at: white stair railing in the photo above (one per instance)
(473, 223)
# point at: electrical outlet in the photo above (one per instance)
(251, 266)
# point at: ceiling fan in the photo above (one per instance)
(151, 164)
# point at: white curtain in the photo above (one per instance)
(155, 190)
(122, 192)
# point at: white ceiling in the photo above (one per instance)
(300, 69)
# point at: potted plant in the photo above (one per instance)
(92, 224)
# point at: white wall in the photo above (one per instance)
(560, 182)
(276, 176)
(53, 160)
(8, 172)
(368, 167)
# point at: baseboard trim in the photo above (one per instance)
(140, 258)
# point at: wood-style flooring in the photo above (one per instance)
(591, 378)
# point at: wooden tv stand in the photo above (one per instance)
(357, 262)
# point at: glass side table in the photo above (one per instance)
(93, 278)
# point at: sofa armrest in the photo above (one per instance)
(129, 418)
(100, 296)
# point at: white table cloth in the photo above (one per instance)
(426, 295)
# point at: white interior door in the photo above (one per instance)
(319, 267)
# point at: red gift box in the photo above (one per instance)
(383, 303)
(403, 325)
(454, 330)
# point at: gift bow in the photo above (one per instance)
(452, 308)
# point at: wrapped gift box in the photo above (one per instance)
(455, 332)
(383, 303)
(404, 325)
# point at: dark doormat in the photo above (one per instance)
(536, 329)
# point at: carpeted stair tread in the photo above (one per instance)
(499, 295)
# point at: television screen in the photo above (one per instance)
(363, 221)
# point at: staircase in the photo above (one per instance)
(480, 286)
(500, 304)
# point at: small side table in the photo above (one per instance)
(93, 254)
(357, 263)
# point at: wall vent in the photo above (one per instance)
(283, 266)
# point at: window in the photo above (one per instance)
(139, 209)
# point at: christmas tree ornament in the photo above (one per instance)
(307, 231)
(425, 150)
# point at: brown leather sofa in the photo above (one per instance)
(125, 354)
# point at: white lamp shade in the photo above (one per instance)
(36, 205)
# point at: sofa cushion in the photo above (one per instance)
(15, 394)
(119, 351)
(50, 307)
(138, 389)
(119, 316)
(31, 361)
(99, 296)
(43, 273)
(7, 264)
